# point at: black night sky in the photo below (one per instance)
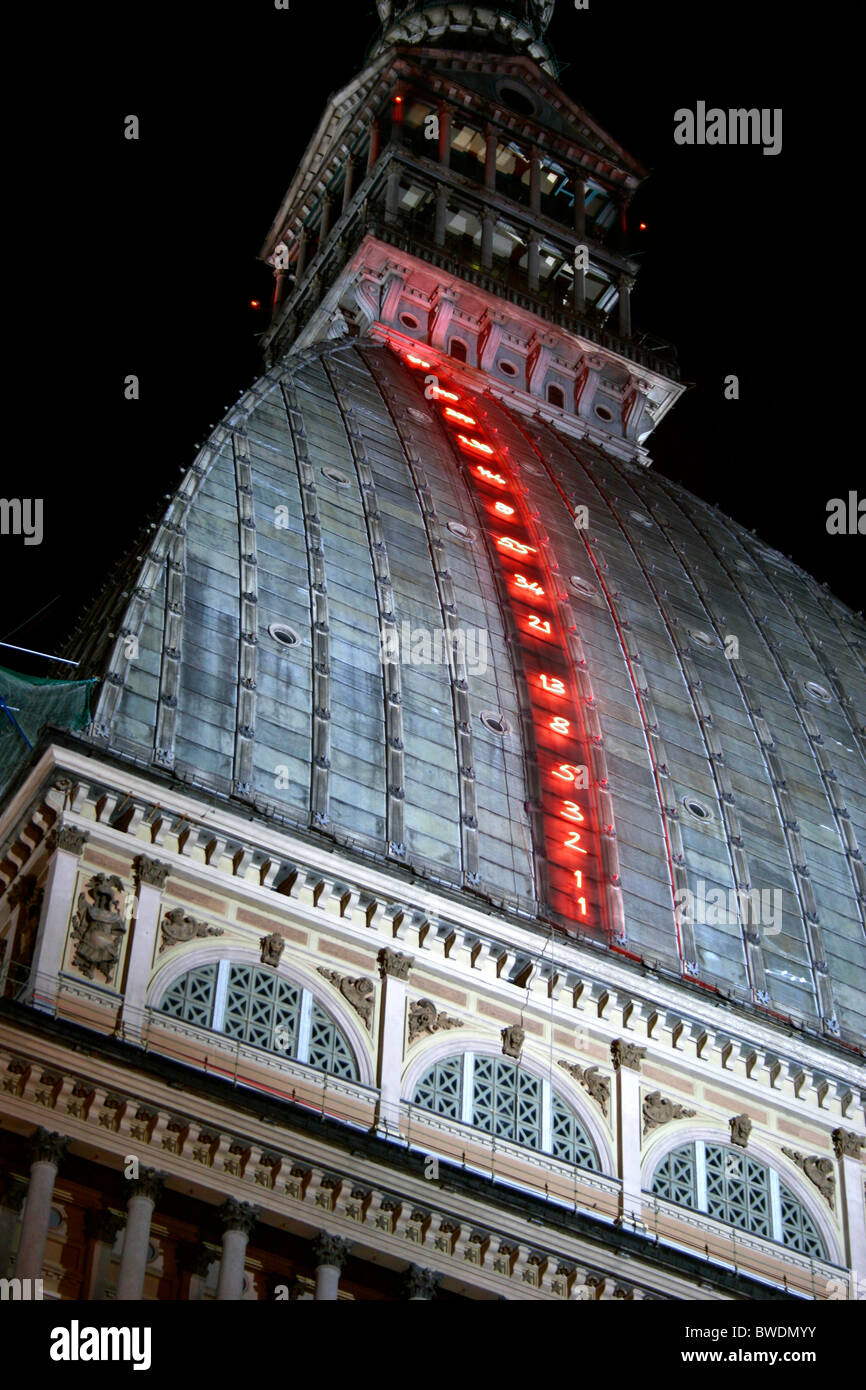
(146, 262)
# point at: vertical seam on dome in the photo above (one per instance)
(464, 744)
(395, 819)
(320, 761)
(245, 707)
(796, 851)
(169, 673)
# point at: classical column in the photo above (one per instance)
(151, 878)
(625, 284)
(392, 192)
(441, 215)
(490, 146)
(330, 1254)
(102, 1227)
(394, 970)
(325, 221)
(145, 1193)
(487, 225)
(238, 1219)
(41, 990)
(533, 263)
(281, 280)
(195, 1261)
(349, 183)
(375, 144)
(445, 136)
(11, 1202)
(420, 1284)
(535, 181)
(47, 1150)
(580, 233)
(301, 259)
(852, 1200)
(627, 1058)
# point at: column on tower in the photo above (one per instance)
(533, 262)
(11, 1202)
(421, 1285)
(101, 1226)
(375, 144)
(237, 1219)
(145, 1191)
(349, 183)
(535, 180)
(579, 185)
(490, 147)
(625, 285)
(330, 1254)
(47, 1150)
(444, 135)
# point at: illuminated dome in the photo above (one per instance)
(290, 613)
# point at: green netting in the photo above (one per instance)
(29, 702)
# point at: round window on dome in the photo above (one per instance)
(420, 415)
(507, 368)
(408, 320)
(463, 533)
(495, 721)
(603, 413)
(335, 475)
(582, 586)
(284, 635)
(641, 518)
(702, 638)
(817, 692)
(517, 99)
(697, 809)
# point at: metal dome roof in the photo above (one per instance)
(332, 502)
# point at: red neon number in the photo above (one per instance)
(491, 477)
(560, 725)
(503, 509)
(458, 415)
(532, 585)
(567, 772)
(475, 444)
(573, 842)
(553, 684)
(437, 393)
(572, 812)
(578, 878)
(417, 361)
(509, 543)
(582, 905)
(540, 624)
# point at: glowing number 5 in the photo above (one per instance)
(518, 547)
(567, 772)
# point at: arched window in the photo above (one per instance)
(733, 1187)
(493, 1094)
(457, 350)
(556, 396)
(263, 1009)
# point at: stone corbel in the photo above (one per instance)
(392, 292)
(589, 374)
(490, 333)
(442, 306)
(538, 360)
(635, 409)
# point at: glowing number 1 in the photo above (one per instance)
(553, 684)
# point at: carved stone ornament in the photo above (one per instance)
(177, 928)
(392, 963)
(151, 871)
(238, 1216)
(626, 1054)
(591, 1079)
(272, 948)
(657, 1110)
(513, 1038)
(421, 1283)
(741, 1128)
(98, 927)
(69, 838)
(846, 1144)
(48, 1147)
(149, 1184)
(360, 992)
(424, 1018)
(330, 1250)
(818, 1170)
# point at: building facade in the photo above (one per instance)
(458, 892)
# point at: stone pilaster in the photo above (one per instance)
(848, 1148)
(151, 878)
(68, 842)
(627, 1058)
(394, 969)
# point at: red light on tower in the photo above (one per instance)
(475, 444)
(255, 304)
(642, 227)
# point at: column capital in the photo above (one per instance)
(151, 871)
(421, 1283)
(238, 1216)
(846, 1144)
(47, 1147)
(392, 963)
(330, 1250)
(626, 1054)
(103, 1224)
(68, 838)
(625, 282)
(149, 1183)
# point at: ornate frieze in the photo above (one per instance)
(98, 927)
(592, 1080)
(818, 1170)
(358, 991)
(176, 928)
(657, 1110)
(425, 1018)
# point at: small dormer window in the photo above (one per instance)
(556, 396)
